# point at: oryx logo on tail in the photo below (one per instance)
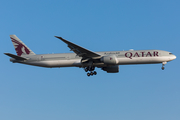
(20, 47)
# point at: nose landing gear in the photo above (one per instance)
(163, 64)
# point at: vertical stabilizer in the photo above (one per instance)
(20, 47)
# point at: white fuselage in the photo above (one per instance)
(108, 61)
(122, 58)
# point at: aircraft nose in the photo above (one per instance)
(173, 57)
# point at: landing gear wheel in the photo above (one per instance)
(92, 68)
(162, 68)
(91, 73)
(86, 69)
(163, 64)
(88, 74)
(95, 73)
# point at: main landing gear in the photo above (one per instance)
(91, 69)
(163, 64)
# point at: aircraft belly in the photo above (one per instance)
(55, 63)
(63, 63)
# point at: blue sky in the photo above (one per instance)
(137, 92)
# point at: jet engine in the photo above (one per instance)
(111, 60)
(111, 69)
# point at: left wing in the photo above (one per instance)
(80, 51)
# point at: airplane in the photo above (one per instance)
(83, 58)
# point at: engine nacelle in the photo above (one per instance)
(111, 60)
(111, 69)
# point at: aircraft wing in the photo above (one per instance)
(80, 51)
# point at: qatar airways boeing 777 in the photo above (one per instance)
(84, 58)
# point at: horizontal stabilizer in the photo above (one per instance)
(15, 56)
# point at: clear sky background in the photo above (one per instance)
(137, 92)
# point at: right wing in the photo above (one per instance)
(80, 51)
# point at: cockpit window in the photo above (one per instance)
(170, 53)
